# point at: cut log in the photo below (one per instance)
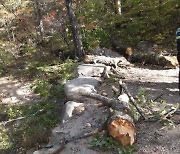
(117, 61)
(155, 59)
(122, 128)
(120, 125)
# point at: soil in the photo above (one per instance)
(13, 91)
(152, 137)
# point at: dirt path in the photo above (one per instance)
(13, 91)
(152, 137)
(154, 81)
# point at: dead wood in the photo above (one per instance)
(116, 91)
(159, 96)
(61, 147)
(120, 126)
(105, 73)
(155, 59)
(113, 103)
(133, 102)
(108, 60)
(9, 122)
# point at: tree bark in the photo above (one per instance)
(117, 4)
(78, 47)
(39, 19)
(160, 7)
(120, 125)
(114, 5)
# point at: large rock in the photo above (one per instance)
(90, 70)
(82, 84)
(68, 110)
(76, 126)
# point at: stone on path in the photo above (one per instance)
(82, 84)
(90, 70)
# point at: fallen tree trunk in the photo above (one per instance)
(120, 125)
(117, 61)
(156, 59)
(113, 103)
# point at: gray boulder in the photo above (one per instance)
(74, 87)
(90, 70)
(69, 107)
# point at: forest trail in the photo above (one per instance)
(154, 80)
(152, 137)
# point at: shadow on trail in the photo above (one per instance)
(169, 90)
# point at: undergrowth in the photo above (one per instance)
(40, 117)
(107, 143)
(32, 131)
(154, 110)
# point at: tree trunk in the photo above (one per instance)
(62, 29)
(114, 5)
(117, 4)
(160, 7)
(40, 26)
(78, 47)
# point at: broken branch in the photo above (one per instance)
(114, 104)
(132, 100)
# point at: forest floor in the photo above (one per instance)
(151, 137)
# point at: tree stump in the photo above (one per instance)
(122, 128)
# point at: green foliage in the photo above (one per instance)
(51, 80)
(62, 71)
(155, 110)
(94, 38)
(94, 24)
(142, 97)
(13, 5)
(5, 60)
(46, 89)
(27, 49)
(5, 142)
(34, 130)
(144, 20)
(106, 143)
(42, 87)
(140, 20)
